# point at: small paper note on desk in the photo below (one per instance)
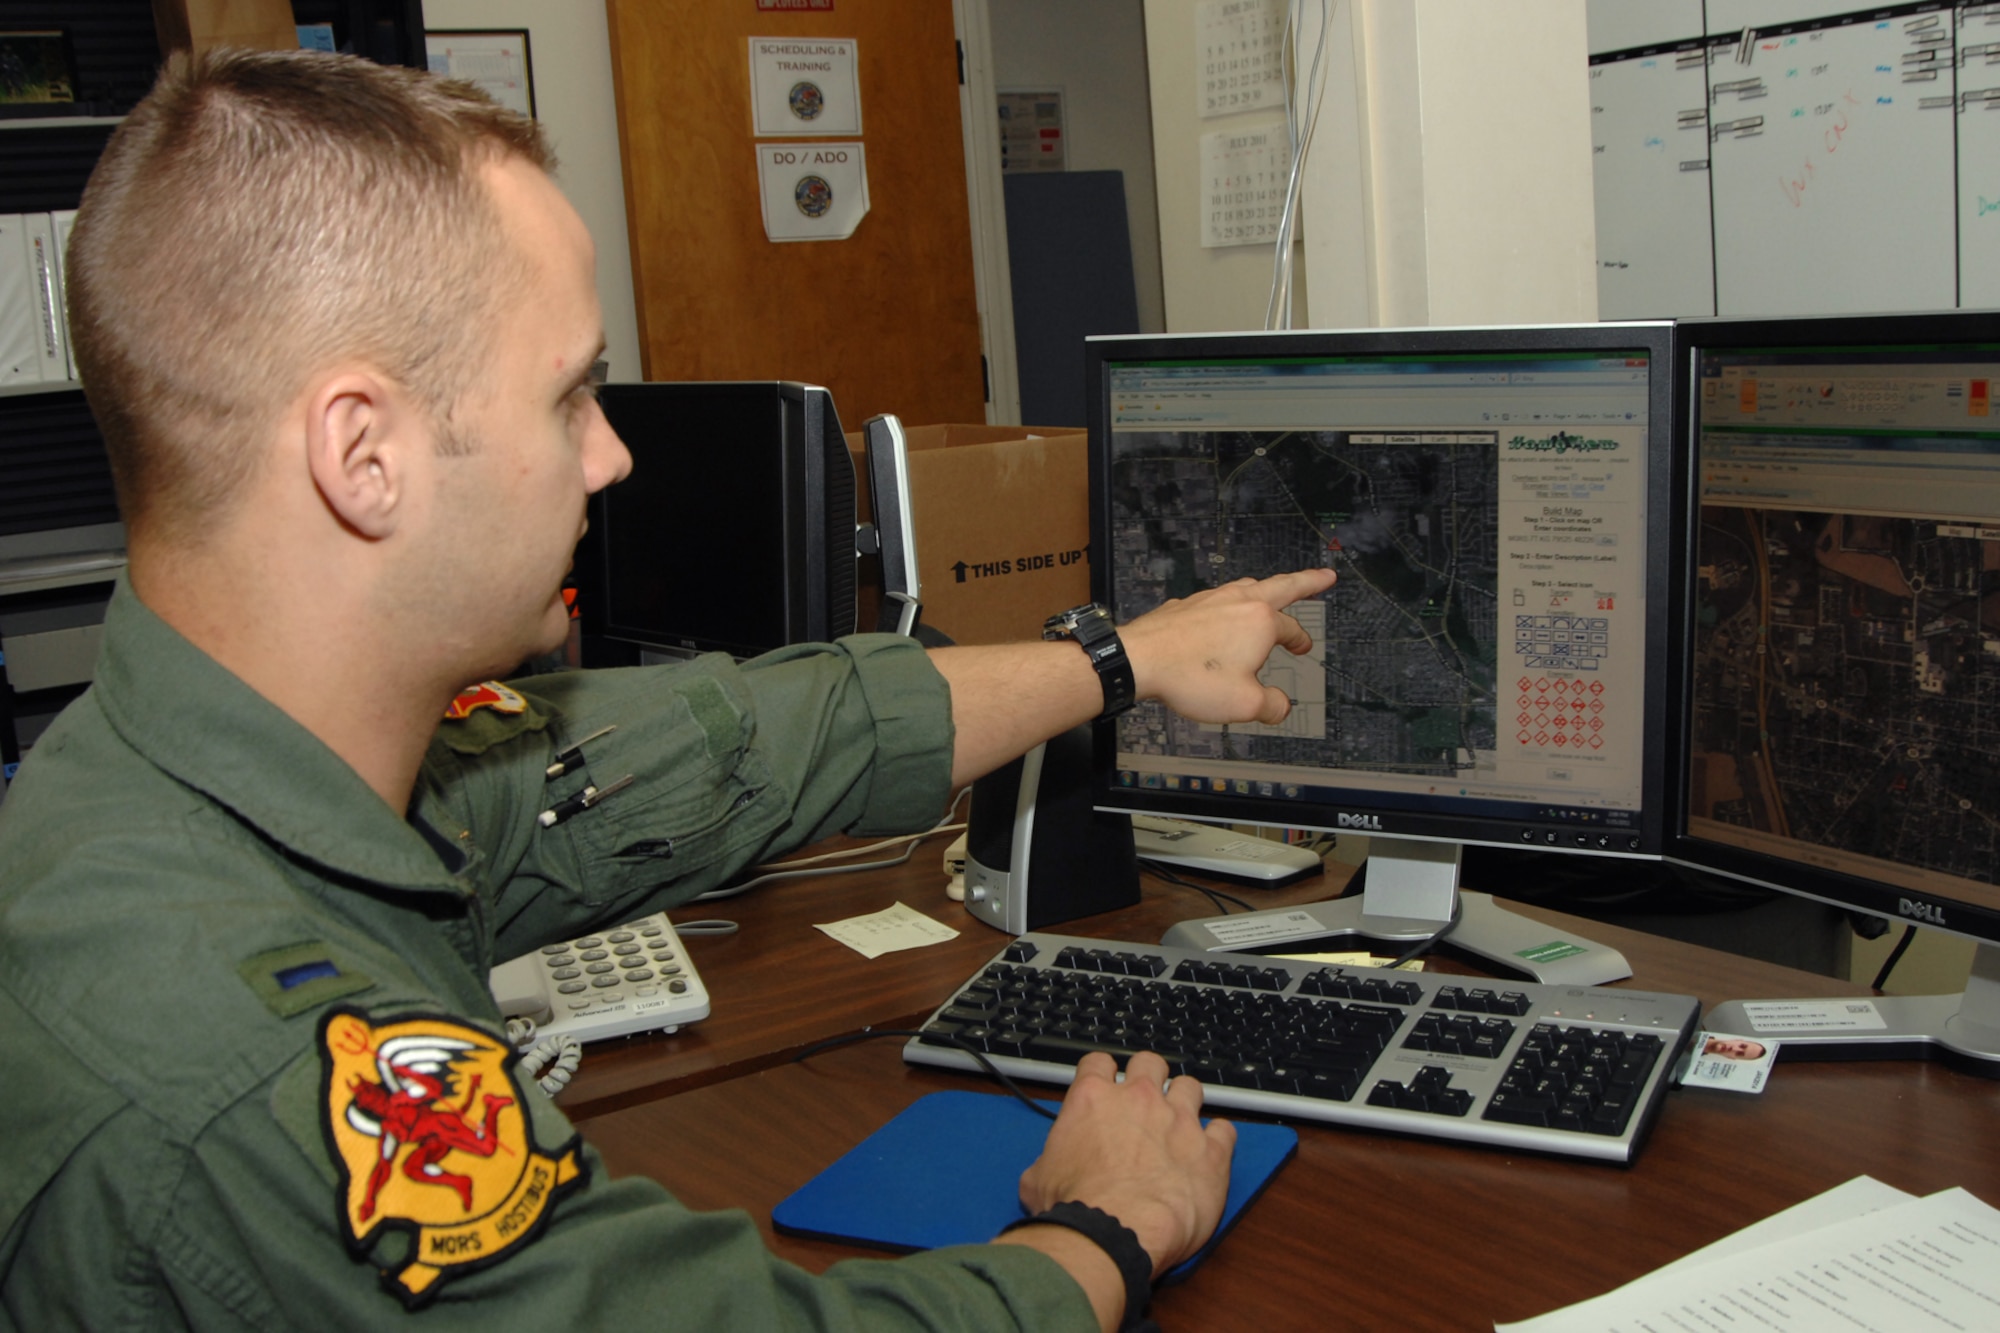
(887, 931)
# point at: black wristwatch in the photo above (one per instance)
(1090, 625)
(1118, 1241)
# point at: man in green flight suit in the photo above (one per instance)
(337, 324)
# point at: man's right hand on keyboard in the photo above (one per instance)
(1138, 1153)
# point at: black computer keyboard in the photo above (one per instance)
(1575, 1070)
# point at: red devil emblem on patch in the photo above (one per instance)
(426, 1125)
(487, 694)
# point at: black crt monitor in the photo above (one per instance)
(735, 531)
(1491, 667)
(1842, 725)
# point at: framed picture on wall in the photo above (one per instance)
(495, 59)
(35, 66)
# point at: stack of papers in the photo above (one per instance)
(1864, 1256)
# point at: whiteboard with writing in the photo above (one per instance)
(1979, 160)
(1833, 169)
(1649, 131)
(1851, 160)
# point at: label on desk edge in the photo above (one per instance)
(1550, 952)
(1796, 1016)
(1265, 927)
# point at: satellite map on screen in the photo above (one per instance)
(1847, 687)
(1412, 527)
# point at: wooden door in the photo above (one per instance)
(888, 318)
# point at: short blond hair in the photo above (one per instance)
(258, 217)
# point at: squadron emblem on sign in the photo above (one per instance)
(425, 1123)
(807, 100)
(814, 196)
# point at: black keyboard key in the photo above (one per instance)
(1632, 1070)
(1329, 1084)
(1515, 1108)
(1240, 1074)
(1147, 965)
(1430, 1079)
(1008, 1041)
(1331, 1055)
(1280, 1077)
(1611, 1114)
(1063, 1050)
(1324, 982)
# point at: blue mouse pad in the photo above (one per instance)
(947, 1171)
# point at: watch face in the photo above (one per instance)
(1070, 621)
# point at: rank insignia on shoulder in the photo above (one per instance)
(487, 694)
(425, 1123)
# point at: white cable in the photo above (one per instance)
(552, 1061)
(1278, 310)
(1287, 81)
(1279, 313)
(812, 871)
(806, 867)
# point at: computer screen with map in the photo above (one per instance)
(1491, 666)
(1843, 705)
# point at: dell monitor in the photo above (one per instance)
(735, 531)
(1842, 718)
(1491, 666)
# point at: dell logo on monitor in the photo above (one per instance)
(1372, 822)
(1921, 911)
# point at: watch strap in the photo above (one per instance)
(1096, 633)
(1115, 1239)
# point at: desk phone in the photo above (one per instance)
(634, 978)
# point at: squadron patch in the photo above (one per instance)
(813, 196)
(807, 101)
(425, 1123)
(487, 694)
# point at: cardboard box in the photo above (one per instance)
(203, 25)
(1002, 522)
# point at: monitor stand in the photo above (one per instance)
(1962, 1030)
(1412, 894)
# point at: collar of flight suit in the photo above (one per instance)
(202, 725)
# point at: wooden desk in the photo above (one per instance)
(778, 985)
(1368, 1231)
